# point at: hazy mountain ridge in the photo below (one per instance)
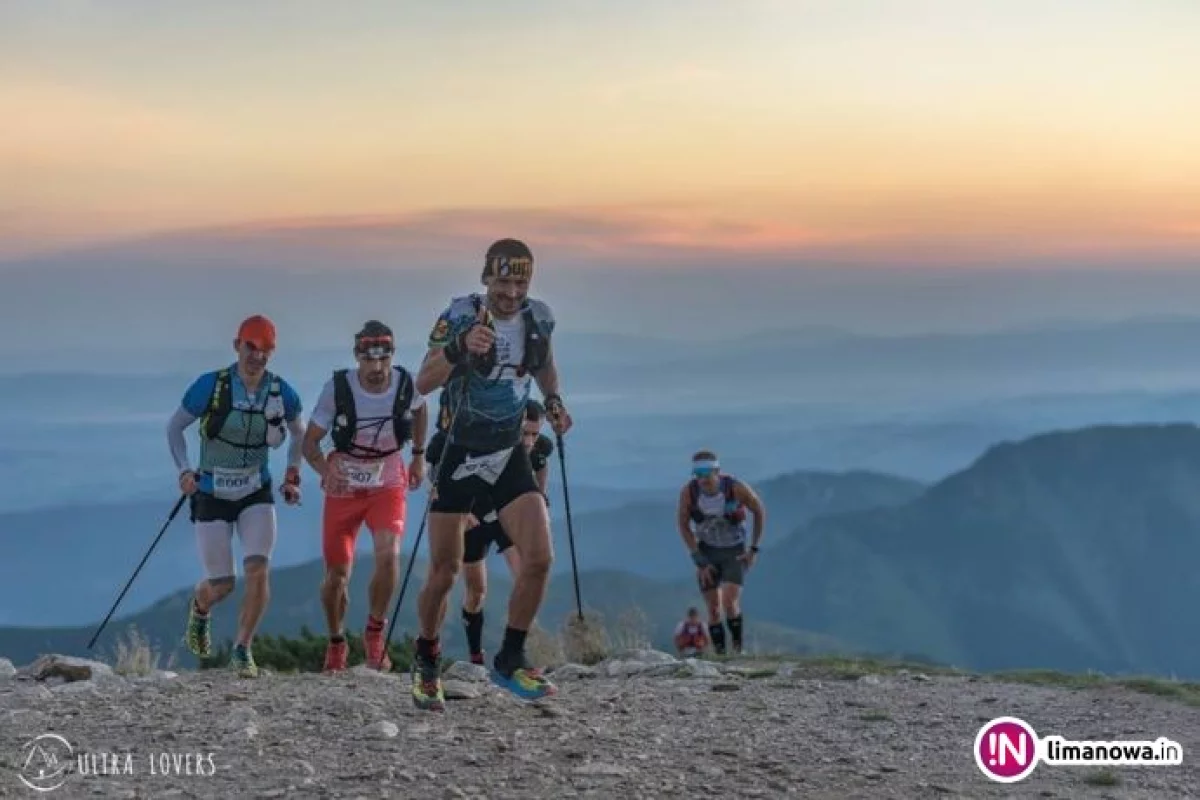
(1063, 550)
(100, 544)
(1067, 550)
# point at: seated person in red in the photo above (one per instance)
(691, 637)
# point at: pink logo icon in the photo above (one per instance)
(1006, 749)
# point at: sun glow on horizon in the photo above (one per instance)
(943, 128)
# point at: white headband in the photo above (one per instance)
(706, 464)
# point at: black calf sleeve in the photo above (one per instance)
(735, 630)
(717, 633)
(473, 621)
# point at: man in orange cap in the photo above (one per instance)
(244, 410)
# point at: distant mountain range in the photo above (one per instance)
(98, 546)
(1068, 550)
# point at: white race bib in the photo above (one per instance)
(234, 484)
(363, 474)
(486, 467)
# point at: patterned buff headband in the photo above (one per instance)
(508, 267)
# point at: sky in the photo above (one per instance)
(947, 131)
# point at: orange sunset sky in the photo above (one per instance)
(936, 126)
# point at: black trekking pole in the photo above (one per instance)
(167, 524)
(437, 474)
(412, 559)
(562, 465)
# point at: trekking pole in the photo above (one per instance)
(562, 465)
(170, 518)
(437, 474)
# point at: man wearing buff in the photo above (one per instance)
(485, 352)
(484, 529)
(716, 504)
(370, 414)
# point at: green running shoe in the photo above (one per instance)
(197, 631)
(243, 661)
(427, 685)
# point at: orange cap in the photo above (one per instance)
(258, 331)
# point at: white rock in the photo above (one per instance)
(701, 669)
(459, 690)
(466, 671)
(7, 670)
(382, 730)
(645, 656)
(569, 672)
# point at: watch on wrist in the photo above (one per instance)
(418, 451)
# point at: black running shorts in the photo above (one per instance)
(481, 537)
(496, 479)
(725, 564)
(206, 508)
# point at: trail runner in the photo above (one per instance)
(244, 411)
(485, 352)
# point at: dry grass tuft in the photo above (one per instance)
(631, 631)
(585, 641)
(135, 655)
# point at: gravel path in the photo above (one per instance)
(646, 734)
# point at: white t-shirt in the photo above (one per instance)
(374, 430)
(510, 344)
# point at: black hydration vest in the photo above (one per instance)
(345, 417)
(220, 404)
(536, 354)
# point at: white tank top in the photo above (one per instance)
(715, 530)
(375, 430)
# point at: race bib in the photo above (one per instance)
(363, 474)
(234, 484)
(486, 467)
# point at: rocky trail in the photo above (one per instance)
(642, 725)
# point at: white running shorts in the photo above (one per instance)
(256, 528)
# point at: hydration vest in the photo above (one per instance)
(220, 405)
(345, 417)
(692, 635)
(536, 351)
(734, 512)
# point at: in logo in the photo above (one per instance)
(46, 762)
(1006, 749)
